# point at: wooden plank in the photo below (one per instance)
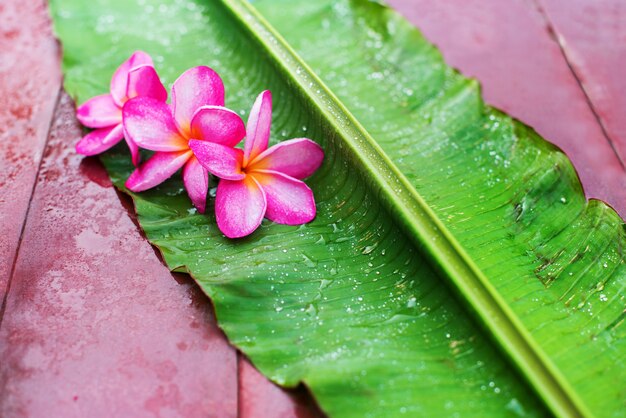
(508, 48)
(95, 325)
(260, 398)
(30, 80)
(592, 34)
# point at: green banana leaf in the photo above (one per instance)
(454, 268)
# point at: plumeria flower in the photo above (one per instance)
(135, 77)
(260, 182)
(197, 113)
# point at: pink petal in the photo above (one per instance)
(149, 123)
(160, 167)
(100, 140)
(258, 129)
(134, 150)
(224, 162)
(196, 87)
(120, 77)
(99, 112)
(239, 207)
(217, 124)
(144, 81)
(297, 158)
(289, 201)
(196, 180)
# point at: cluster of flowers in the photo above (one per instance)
(197, 133)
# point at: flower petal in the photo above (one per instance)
(160, 167)
(144, 81)
(289, 201)
(217, 124)
(196, 87)
(120, 77)
(224, 162)
(239, 207)
(100, 140)
(99, 112)
(258, 128)
(196, 180)
(297, 158)
(149, 123)
(134, 150)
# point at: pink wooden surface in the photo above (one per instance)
(507, 46)
(84, 335)
(257, 398)
(30, 79)
(81, 336)
(592, 34)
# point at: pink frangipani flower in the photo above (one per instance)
(135, 77)
(196, 113)
(260, 182)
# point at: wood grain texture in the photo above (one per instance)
(592, 35)
(30, 79)
(507, 46)
(260, 398)
(83, 335)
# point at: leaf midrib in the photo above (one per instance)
(409, 209)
